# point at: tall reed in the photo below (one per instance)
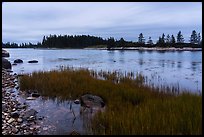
(132, 107)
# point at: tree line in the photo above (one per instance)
(83, 41)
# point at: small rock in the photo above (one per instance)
(33, 61)
(14, 130)
(77, 101)
(30, 98)
(18, 61)
(11, 120)
(20, 120)
(15, 114)
(45, 128)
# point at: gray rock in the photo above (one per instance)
(33, 61)
(89, 101)
(5, 53)
(18, 61)
(15, 114)
(20, 120)
(6, 64)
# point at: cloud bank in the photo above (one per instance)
(30, 21)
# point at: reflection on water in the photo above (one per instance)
(179, 65)
(173, 67)
(58, 118)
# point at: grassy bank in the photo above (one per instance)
(131, 107)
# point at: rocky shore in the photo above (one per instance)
(17, 117)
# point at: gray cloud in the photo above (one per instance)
(29, 21)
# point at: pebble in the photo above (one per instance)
(12, 122)
(20, 120)
(30, 98)
(77, 101)
(45, 128)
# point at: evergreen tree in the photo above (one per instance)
(121, 42)
(180, 38)
(150, 41)
(141, 39)
(168, 39)
(173, 41)
(194, 37)
(111, 43)
(199, 38)
(163, 39)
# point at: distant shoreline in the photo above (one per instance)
(129, 48)
(151, 49)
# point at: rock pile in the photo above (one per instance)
(17, 119)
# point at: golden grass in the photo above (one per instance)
(131, 106)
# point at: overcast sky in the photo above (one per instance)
(30, 21)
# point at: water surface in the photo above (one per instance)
(183, 68)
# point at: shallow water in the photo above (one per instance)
(183, 68)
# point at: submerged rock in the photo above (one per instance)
(29, 113)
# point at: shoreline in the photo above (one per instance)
(126, 48)
(151, 49)
(17, 117)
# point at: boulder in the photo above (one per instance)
(6, 64)
(18, 61)
(5, 53)
(90, 101)
(33, 61)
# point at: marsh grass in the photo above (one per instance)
(131, 106)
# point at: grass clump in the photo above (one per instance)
(131, 106)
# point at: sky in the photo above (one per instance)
(30, 21)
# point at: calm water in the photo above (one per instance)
(183, 68)
(171, 68)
